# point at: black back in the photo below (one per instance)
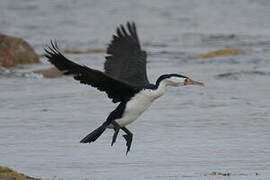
(126, 60)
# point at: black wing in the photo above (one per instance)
(126, 60)
(116, 90)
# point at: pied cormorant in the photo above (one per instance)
(124, 80)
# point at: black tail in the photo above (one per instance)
(94, 134)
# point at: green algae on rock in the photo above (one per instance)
(87, 51)
(15, 51)
(220, 52)
(8, 174)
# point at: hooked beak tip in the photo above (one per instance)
(197, 83)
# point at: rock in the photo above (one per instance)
(220, 52)
(15, 51)
(9, 174)
(49, 73)
(87, 51)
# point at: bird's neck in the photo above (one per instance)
(160, 88)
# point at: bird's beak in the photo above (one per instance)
(197, 83)
(192, 82)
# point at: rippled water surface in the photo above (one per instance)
(187, 134)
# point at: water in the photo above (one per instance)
(187, 134)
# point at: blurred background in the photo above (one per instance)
(190, 133)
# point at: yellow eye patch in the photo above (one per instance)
(187, 80)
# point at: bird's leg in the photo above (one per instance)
(128, 138)
(116, 128)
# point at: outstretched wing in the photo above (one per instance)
(116, 89)
(126, 60)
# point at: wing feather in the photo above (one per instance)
(116, 89)
(126, 60)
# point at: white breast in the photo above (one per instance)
(137, 105)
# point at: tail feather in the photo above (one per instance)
(94, 134)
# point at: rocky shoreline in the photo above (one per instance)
(9, 174)
(15, 51)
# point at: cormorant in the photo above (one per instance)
(124, 80)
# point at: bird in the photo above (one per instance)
(124, 80)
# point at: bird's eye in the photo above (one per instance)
(187, 80)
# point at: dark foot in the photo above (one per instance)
(116, 128)
(116, 131)
(128, 138)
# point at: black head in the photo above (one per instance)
(176, 80)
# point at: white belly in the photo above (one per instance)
(136, 106)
